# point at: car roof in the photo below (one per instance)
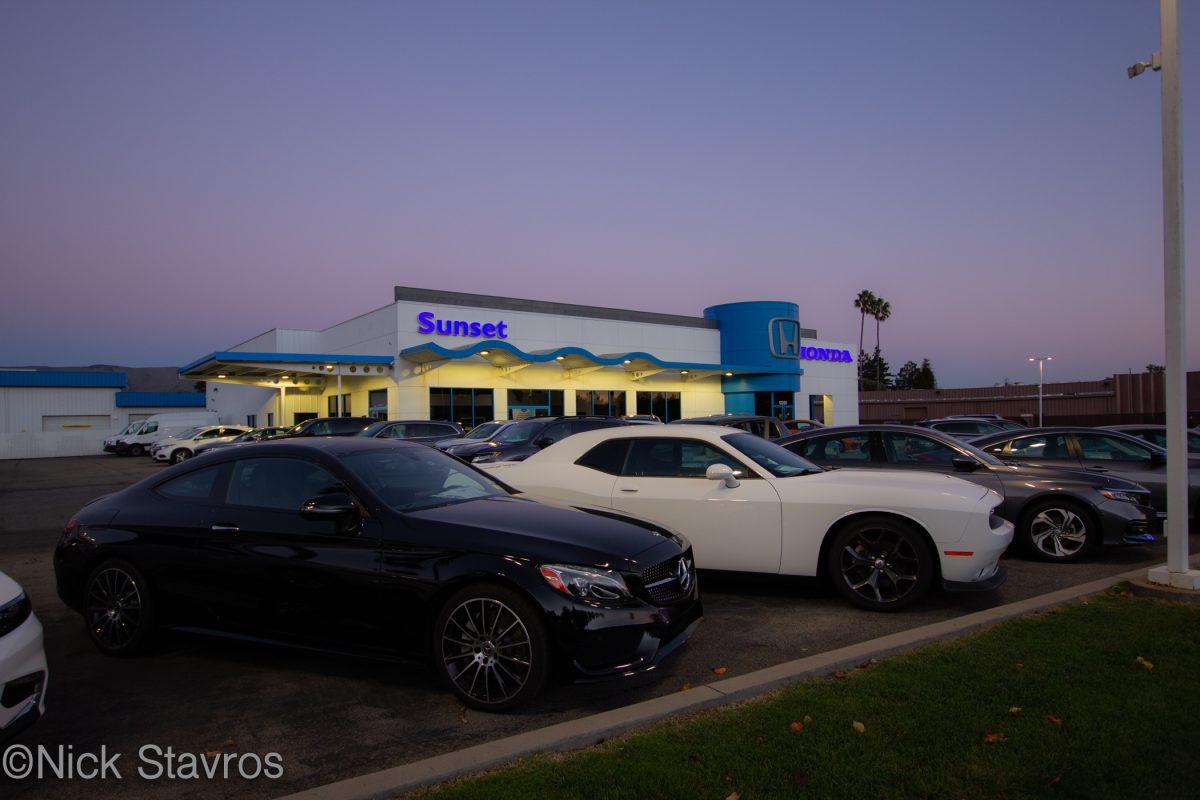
(716, 418)
(336, 446)
(866, 426)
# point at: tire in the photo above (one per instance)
(491, 672)
(182, 454)
(118, 624)
(136, 450)
(1058, 530)
(853, 563)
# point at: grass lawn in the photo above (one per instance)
(1054, 705)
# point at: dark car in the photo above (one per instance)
(380, 548)
(329, 426)
(525, 437)
(482, 432)
(766, 427)
(969, 427)
(1059, 514)
(412, 430)
(1098, 450)
(1157, 435)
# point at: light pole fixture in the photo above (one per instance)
(1041, 362)
(1175, 572)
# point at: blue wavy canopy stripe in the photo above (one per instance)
(441, 352)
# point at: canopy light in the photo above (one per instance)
(559, 358)
(484, 352)
(220, 376)
(728, 374)
(683, 372)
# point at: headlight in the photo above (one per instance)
(1126, 497)
(586, 583)
(13, 613)
(490, 456)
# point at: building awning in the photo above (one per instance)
(504, 355)
(63, 379)
(236, 365)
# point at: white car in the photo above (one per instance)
(182, 446)
(23, 672)
(748, 505)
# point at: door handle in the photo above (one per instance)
(631, 489)
(225, 528)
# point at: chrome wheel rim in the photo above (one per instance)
(114, 607)
(881, 565)
(486, 650)
(1058, 532)
(182, 455)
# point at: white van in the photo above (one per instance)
(158, 426)
(110, 444)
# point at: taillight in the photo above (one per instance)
(70, 527)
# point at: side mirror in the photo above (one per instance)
(965, 465)
(1157, 459)
(335, 506)
(722, 472)
(544, 442)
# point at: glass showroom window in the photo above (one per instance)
(333, 409)
(525, 403)
(664, 405)
(251, 420)
(377, 403)
(775, 404)
(467, 407)
(600, 402)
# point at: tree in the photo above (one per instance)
(881, 311)
(865, 303)
(928, 379)
(908, 376)
(873, 365)
(1155, 369)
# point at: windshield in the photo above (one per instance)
(986, 458)
(412, 478)
(517, 433)
(187, 433)
(130, 428)
(779, 461)
(484, 431)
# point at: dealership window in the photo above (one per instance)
(377, 403)
(600, 402)
(467, 407)
(333, 409)
(775, 404)
(525, 403)
(252, 420)
(270, 419)
(664, 405)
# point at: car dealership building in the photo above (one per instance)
(470, 358)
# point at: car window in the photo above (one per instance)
(912, 449)
(278, 483)
(196, 485)
(321, 428)
(608, 457)
(676, 458)
(957, 427)
(412, 478)
(1098, 447)
(345, 425)
(779, 461)
(1044, 446)
(397, 431)
(150, 427)
(844, 448)
(756, 426)
(211, 433)
(555, 433)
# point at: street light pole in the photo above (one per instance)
(1041, 362)
(1175, 572)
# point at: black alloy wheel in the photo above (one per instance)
(1057, 530)
(136, 450)
(118, 609)
(880, 563)
(490, 647)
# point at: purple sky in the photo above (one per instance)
(178, 177)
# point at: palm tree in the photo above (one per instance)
(881, 311)
(865, 303)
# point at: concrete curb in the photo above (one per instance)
(598, 727)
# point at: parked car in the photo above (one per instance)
(413, 430)
(1157, 435)
(749, 505)
(528, 436)
(256, 435)
(642, 419)
(1104, 451)
(766, 427)
(799, 425)
(329, 426)
(110, 444)
(1060, 514)
(159, 426)
(23, 670)
(482, 432)
(360, 545)
(968, 428)
(182, 446)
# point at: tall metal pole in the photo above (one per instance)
(1041, 382)
(1175, 308)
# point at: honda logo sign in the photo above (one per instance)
(784, 334)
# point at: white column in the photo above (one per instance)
(340, 412)
(1176, 572)
(282, 400)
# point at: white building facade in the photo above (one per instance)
(471, 358)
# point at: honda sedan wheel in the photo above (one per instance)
(1057, 531)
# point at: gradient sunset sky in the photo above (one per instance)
(178, 177)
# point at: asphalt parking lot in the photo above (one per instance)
(332, 718)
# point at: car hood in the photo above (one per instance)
(9, 589)
(468, 449)
(895, 480)
(1058, 475)
(549, 532)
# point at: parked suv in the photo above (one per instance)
(183, 445)
(766, 427)
(330, 426)
(483, 432)
(525, 437)
(413, 430)
(1157, 435)
(967, 428)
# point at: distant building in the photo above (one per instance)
(1123, 398)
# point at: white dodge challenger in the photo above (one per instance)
(748, 505)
